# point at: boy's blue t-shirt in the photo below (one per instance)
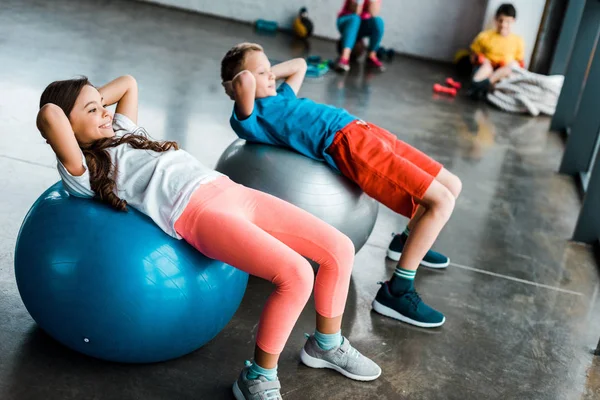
(286, 120)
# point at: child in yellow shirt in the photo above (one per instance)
(496, 51)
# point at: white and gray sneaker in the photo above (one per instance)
(345, 359)
(256, 389)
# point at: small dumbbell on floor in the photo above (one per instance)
(437, 88)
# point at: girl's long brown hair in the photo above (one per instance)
(102, 170)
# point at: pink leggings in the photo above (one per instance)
(268, 237)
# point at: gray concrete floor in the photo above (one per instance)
(520, 299)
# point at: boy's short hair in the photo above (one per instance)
(234, 59)
(507, 10)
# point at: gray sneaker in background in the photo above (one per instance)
(256, 389)
(345, 359)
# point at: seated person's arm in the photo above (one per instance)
(243, 88)
(477, 59)
(374, 7)
(520, 56)
(356, 6)
(478, 49)
(56, 129)
(292, 71)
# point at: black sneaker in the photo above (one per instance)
(432, 259)
(408, 307)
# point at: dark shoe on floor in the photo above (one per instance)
(407, 307)
(432, 259)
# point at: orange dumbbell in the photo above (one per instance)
(437, 88)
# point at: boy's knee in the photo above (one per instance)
(455, 186)
(442, 203)
(447, 203)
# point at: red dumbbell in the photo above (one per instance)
(437, 88)
(451, 82)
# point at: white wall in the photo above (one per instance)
(529, 17)
(426, 28)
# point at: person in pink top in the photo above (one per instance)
(356, 20)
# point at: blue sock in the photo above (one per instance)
(256, 370)
(402, 281)
(328, 341)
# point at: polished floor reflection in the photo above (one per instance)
(521, 301)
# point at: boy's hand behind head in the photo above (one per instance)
(229, 89)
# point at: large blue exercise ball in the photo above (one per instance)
(114, 286)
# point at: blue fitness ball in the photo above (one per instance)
(114, 286)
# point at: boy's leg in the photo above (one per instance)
(450, 181)
(397, 298)
(432, 259)
(368, 155)
(502, 73)
(484, 71)
(437, 205)
(480, 84)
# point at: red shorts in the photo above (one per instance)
(387, 169)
